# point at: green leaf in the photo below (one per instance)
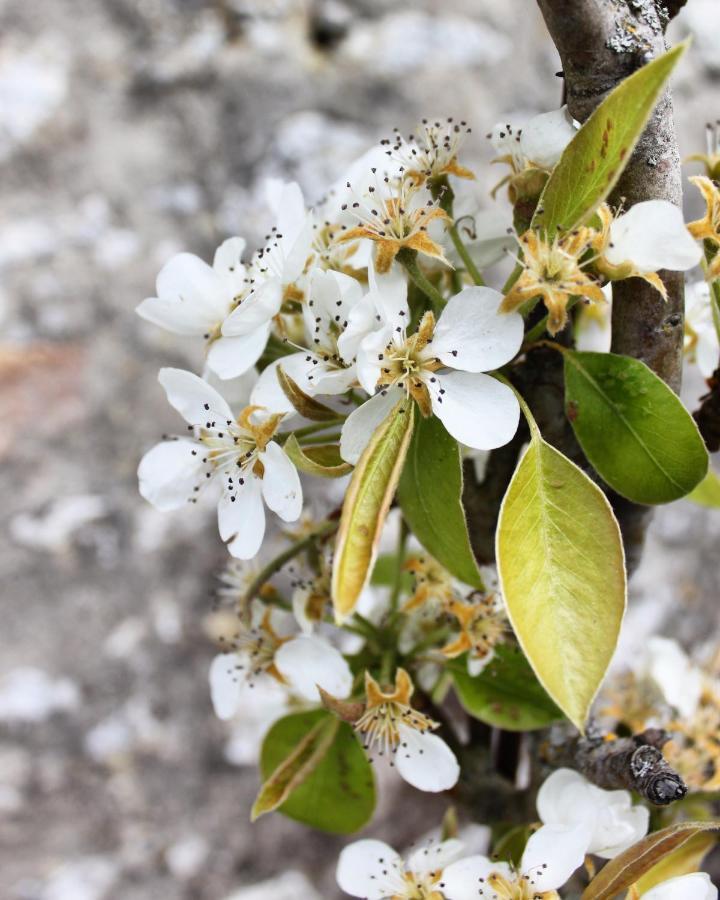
(624, 870)
(366, 506)
(562, 573)
(510, 845)
(633, 429)
(593, 161)
(304, 404)
(506, 693)
(707, 493)
(430, 495)
(687, 858)
(323, 460)
(297, 767)
(339, 794)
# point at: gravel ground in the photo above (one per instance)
(129, 131)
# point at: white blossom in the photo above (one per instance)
(652, 235)
(567, 798)
(236, 454)
(695, 886)
(441, 366)
(538, 144)
(665, 665)
(701, 335)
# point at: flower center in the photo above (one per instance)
(379, 725)
(421, 887)
(518, 887)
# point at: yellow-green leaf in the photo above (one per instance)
(305, 404)
(562, 572)
(595, 158)
(686, 859)
(707, 493)
(627, 868)
(366, 506)
(295, 768)
(323, 460)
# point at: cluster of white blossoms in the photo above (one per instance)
(578, 820)
(358, 309)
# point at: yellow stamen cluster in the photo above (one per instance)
(398, 221)
(385, 711)
(433, 585)
(259, 644)
(483, 625)
(708, 228)
(553, 270)
(406, 366)
(520, 887)
(695, 748)
(432, 152)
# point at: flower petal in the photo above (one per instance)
(245, 518)
(425, 761)
(227, 262)
(435, 856)
(188, 279)
(370, 869)
(553, 853)
(362, 422)
(256, 310)
(695, 886)
(667, 666)
(281, 483)
(473, 335)
(267, 391)
(195, 400)
(225, 685)
(169, 472)
(389, 293)
(229, 357)
(306, 662)
(460, 879)
(362, 320)
(544, 137)
(476, 409)
(652, 235)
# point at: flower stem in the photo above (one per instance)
(464, 255)
(314, 429)
(279, 561)
(400, 559)
(408, 259)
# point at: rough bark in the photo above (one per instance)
(600, 43)
(635, 763)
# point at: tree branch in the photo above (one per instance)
(600, 43)
(635, 763)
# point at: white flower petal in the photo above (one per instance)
(389, 293)
(281, 483)
(229, 357)
(553, 853)
(652, 235)
(544, 137)
(425, 761)
(472, 335)
(195, 400)
(435, 856)
(369, 357)
(225, 685)
(228, 263)
(187, 279)
(245, 518)
(362, 321)
(695, 886)
(178, 316)
(475, 408)
(256, 310)
(707, 352)
(476, 664)
(370, 869)
(306, 662)
(461, 879)
(267, 391)
(666, 665)
(168, 473)
(359, 426)
(297, 252)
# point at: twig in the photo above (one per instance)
(408, 259)
(635, 763)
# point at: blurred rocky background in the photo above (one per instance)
(129, 130)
